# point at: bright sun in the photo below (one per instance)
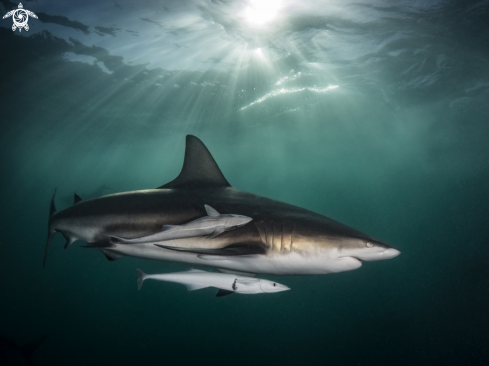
(260, 12)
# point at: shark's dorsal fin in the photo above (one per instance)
(199, 168)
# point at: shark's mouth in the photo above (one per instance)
(356, 258)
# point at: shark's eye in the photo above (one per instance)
(274, 284)
(369, 244)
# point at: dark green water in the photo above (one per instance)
(372, 113)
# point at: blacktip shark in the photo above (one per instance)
(212, 225)
(227, 284)
(282, 239)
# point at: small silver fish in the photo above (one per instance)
(213, 224)
(227, 283)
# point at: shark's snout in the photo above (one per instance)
(390, 253)
(369, 249)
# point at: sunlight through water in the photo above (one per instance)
(288, 91)
(259, 13)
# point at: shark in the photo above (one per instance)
(213, 224)
(282, 239)
(195, 279)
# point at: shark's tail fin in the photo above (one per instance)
(141, 278)
(51, 231)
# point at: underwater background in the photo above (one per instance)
(374, 113)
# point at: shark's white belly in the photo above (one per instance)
(291, 263)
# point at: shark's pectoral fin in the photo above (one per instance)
(215, 233)
(231, 250)
(222, 293)
(194, 286)
(211, 211)
(192, 250)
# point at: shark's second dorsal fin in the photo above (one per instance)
(199, 168)
(76, 198)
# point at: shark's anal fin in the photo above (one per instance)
(199, 168)
(222, 293)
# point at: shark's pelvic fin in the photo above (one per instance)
(199, 168)
(230, 250)
(69, 241)
(211, 211)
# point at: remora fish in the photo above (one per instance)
(227, 284)
(213, 224)
(282, 239)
